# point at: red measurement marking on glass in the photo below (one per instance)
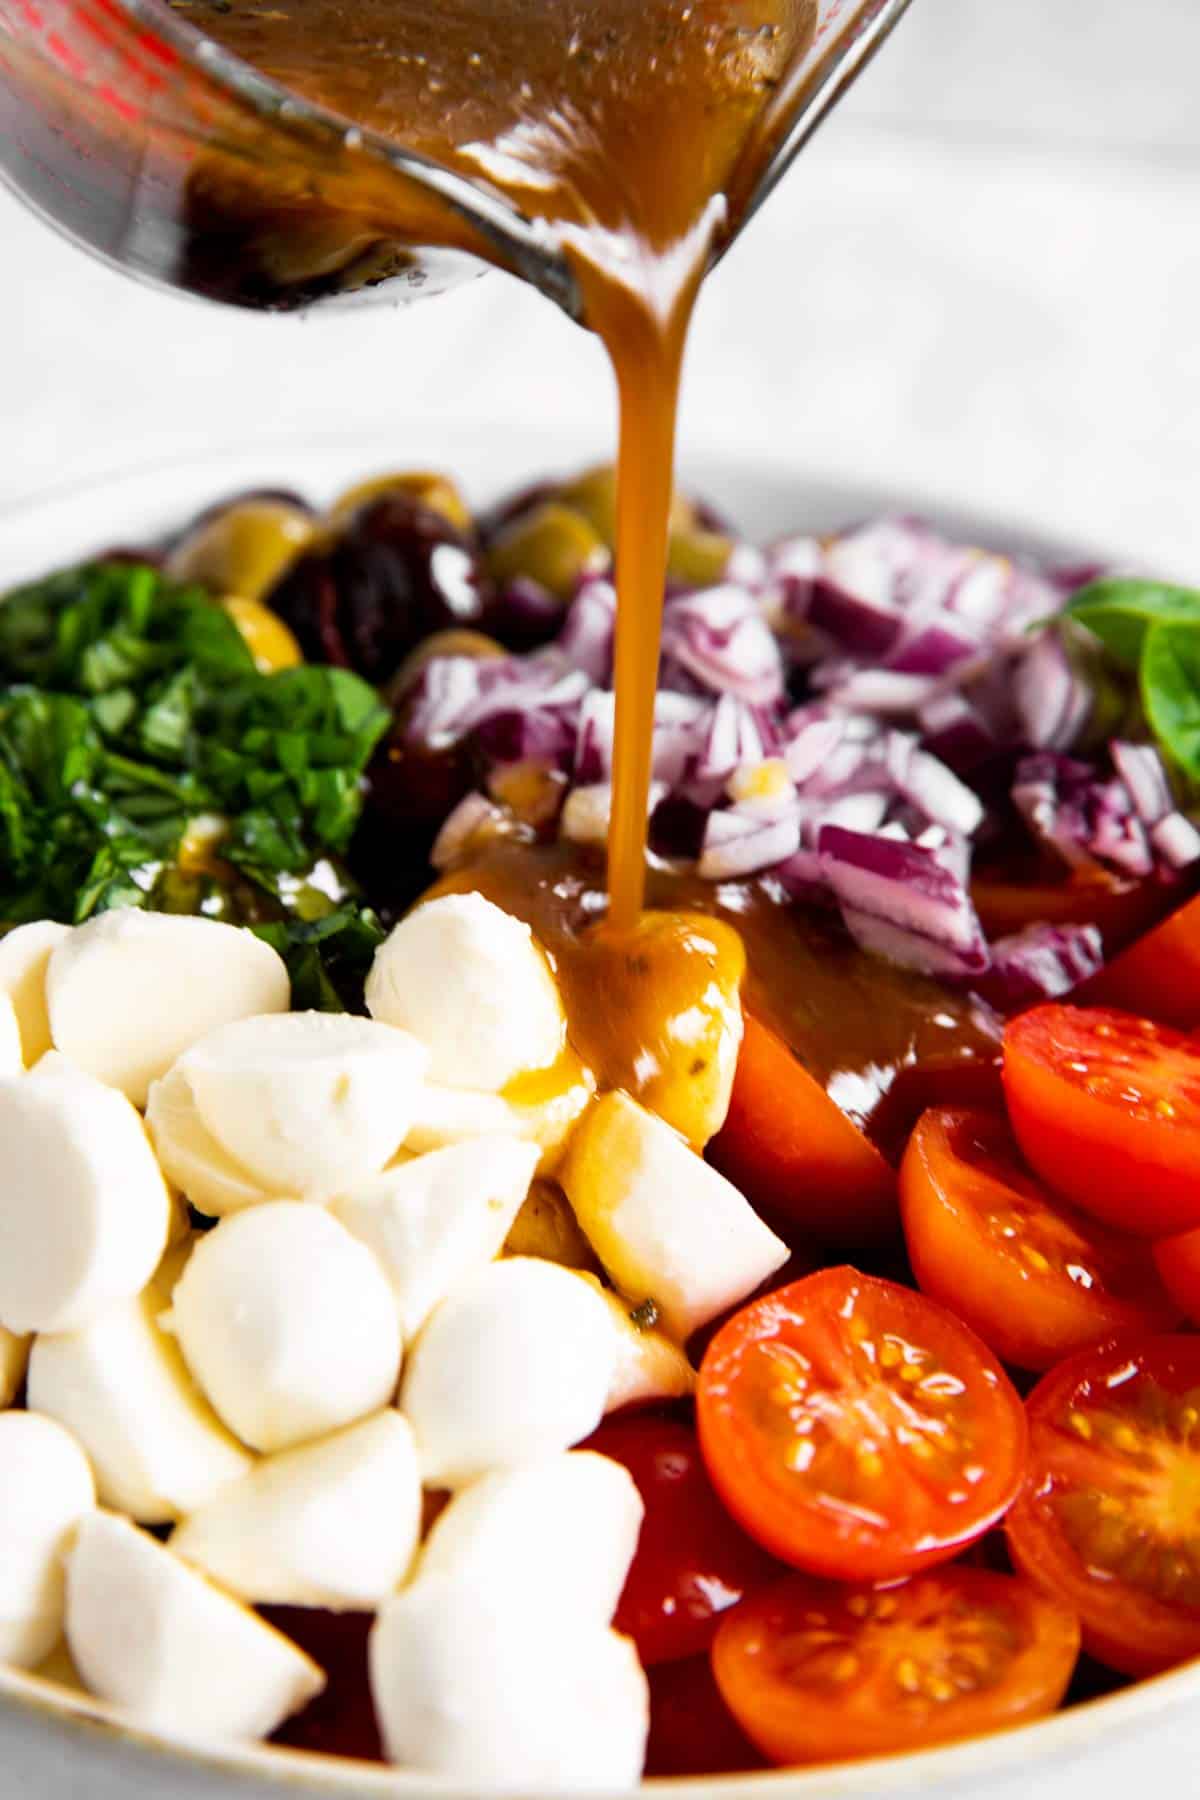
(63, 53)
(118, 102)
(32, 14)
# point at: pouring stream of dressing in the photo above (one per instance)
(630, 128)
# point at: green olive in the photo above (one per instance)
(696, 557)
(594, 494)
(425, 486)
(553, 544)
(244, 549)
(456, 642)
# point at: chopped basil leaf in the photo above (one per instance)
(1170, 678)
(1121, 611)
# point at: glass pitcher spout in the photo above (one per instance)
(142, 139)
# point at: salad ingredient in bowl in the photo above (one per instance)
(427, 1304)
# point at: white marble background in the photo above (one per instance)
(981, 283)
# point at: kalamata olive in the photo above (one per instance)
(243, 548)
(525, 615)
(436, 491)
(398, 572)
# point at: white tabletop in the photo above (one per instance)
(981, 284)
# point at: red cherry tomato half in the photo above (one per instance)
(1108, 1521)
(794, 1153)
(1159, 975)
(1122, 910)
(817, 1673)
(692, 1561)
(857, 1429)
(1106, 1108)
(1178, 1263)
(692, 1731)
(1036, 1279)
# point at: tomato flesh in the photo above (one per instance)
(1158, 975)
(692, 1731)
(1036, 1279)
(1178, 1263)
(1109, 1522)
(794, 1153)
(856, 1429)
(692, 1561)
(816, 1673)
(1106, 1108)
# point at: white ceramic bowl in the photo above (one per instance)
(59, 1745)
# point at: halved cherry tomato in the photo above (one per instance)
(1178, 1262)
(1036, 1279)
(692, 1561)
(817, 1673)
(1121, 909)
(793, 1152)
(1159, 975)
(692, 1731)
(856, 1429)
(1106, 1108)
(1108, 1521)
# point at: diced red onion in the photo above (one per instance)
(586, 638)
(1176, 840)
(810, 746)
(883, 691)
(861, 626)
(1141, 768)
(913, 949)
(954, 731)
(934, 648)
(1041, 963)
(1054, 703)
(930, 786)
(906, 888)
(474, 812)
(721, 637)
(739, 843)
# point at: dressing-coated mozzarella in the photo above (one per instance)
(288, 1323)
(650, 1365)
(565, 1528)
(130, 991)
(469, 980)
(24, 958)
(12, 1057)
(433, 1220)
(664, 1224)
(445, 1115)
(155, 1638)
(511, 1367)
(309, 1103)
(121, 1385)
(495, 1694)
(84, 1210)
(332, 1524)
(14, 1360)
(191, 1156)
(45, 1489)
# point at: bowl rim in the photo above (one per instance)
(277, 1769)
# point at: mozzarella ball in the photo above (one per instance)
(308, 1103)
(665, 1225)
(333, 1524)
(650, 1365)
(433, 1220)
(565, 1529)
(121, 1385)
(151, 1636)
(12, 1057)
(24, 959)
(84, 1210)
(445, 1115)
(190, 1155)
(130, 991)
(14, 1360)
(469, 981)
(498, 1695)
(288, 1324)
(511, 1367)
(45, 1489)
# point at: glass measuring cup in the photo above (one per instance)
(145, 142)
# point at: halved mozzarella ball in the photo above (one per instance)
(511, 1367)
(190, 1155)
(84, 1210)
(14, 1359)
(664, 1224)
(288, 1323)
(12, 1057)
(650, 1365)
(46, 1487)
(333, 1524)
(565, 1528)
(470, 981)
(496, 1694)
(155, 1638)
(446, 1115)
(310, 1102)
(121, 1385)
(130, 991)
(433, 1220)
(24, 959)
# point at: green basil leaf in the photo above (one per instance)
(1170, 677)
(1120, 612)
